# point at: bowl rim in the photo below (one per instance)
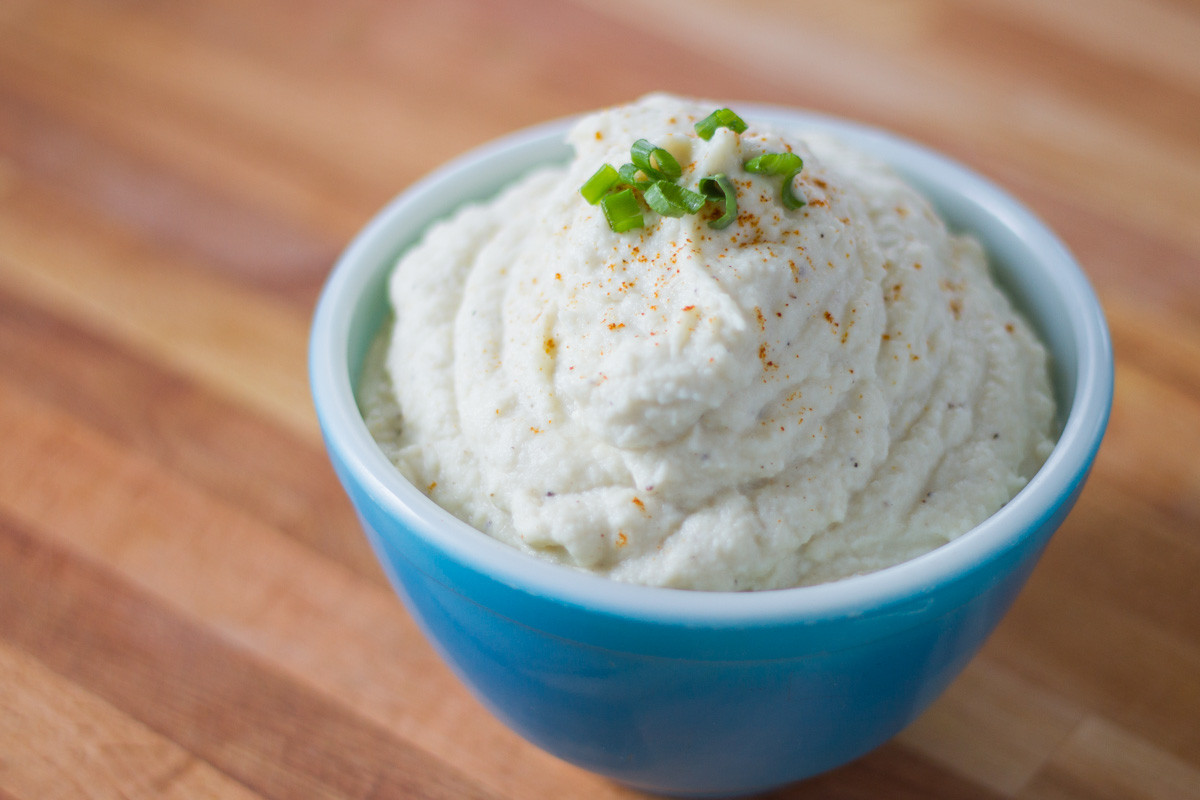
(1055, 484)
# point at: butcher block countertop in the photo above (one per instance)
(188, 607)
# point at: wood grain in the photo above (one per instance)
(187, 607)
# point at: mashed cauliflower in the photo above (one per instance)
(801, 396)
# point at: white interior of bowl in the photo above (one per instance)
(1030, 261)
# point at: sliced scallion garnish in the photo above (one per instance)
(786, 164)
(622, 211)
(718, 187)
(598, 185)
(652, 174)
(774, 163)
(673, 200)
(629, 176)
(721, 118)
(790, 198)
(656, 162)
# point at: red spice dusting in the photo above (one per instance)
(431, 486)
(622, 539)
(550, 346)
(637, 502)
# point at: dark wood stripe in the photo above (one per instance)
(1092, 625)
(116, 182)
(894, 772)
(1114, 249)
(227, 450)
(997, 40)
(263, 729)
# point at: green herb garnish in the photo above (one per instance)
(599, 184)
(652, 174)
(673, 200)
(721, 118)
(656, 162)
(622, 211)
(786, 164)
(719, 188)
(629, 173)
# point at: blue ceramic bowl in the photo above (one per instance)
(698, 693)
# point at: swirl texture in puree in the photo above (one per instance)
(801, 396)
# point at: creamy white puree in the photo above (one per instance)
(799, 397)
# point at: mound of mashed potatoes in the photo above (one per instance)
(798, 397)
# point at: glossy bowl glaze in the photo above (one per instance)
(708, 693)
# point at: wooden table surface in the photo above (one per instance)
(187, 606)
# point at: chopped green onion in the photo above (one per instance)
(598, 185)
(629, 176)
(656, 162)
(774, 164)
(786, 164)
(652, 172)
(673, 200)
(721, 118)
(622, 211)
(718, 187)
(790, 199)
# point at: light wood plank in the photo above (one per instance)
(993, 727)
(1076, 634)
(251, 347)
(159, 108)
(1100, 761)
(217, 701)
(218, 446)
(62, 742)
